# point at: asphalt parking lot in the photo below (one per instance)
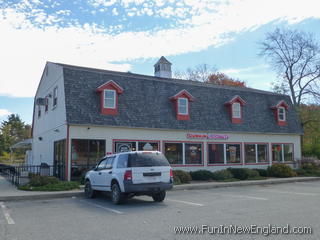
(296, 204)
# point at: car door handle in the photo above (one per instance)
(100, 173)
(110, 172)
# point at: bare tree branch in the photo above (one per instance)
(296, 58)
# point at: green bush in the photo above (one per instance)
(281, 171)
(310, 168)
(183, 176)
(176, 181)
(201, 175)
(59, 186)
(222, 175)
(244, 173)
(262, 172)
(37, 180)
(301, 172)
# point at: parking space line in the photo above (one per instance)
(286, 192)
(102, 207)
(6, 214)
(242, 196)
(185, 202)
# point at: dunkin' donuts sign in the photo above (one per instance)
(207, 136)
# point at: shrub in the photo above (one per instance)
(222, 175)
(59, 186)
(301, 172)
(183, 176)
(244, 173)
(311, 168)
(262, 172)
(176, 181)
(37, 180)
(281, 171)
(201, 175)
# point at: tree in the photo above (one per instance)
(295, 55)
(310, 115)
(222, 79)
(200, 73)
(12, 131)
(208, 74)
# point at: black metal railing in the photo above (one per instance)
(15, 174)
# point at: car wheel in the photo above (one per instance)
(159, 196)
(88, 191)
(116, 194)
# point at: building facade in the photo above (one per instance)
(82, 114)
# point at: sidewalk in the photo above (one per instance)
(9, 193)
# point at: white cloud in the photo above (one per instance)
(4, 113)
(26, 45)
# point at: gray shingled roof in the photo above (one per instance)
(145, 103)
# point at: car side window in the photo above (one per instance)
(102, 164)
(122, 161)
(109, 162)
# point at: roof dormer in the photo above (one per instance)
(235, 109)
(280, 112)
(181, 102)
(109, 94)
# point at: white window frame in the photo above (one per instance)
(114, 98)
(55, 96)
(187, 106)
(284, 114)
(235, 110)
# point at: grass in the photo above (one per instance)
(60, 186)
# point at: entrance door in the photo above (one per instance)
(59, 158)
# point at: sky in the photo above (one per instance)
(131, 35)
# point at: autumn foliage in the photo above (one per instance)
(222, 79)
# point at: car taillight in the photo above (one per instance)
(171, 173)
(128, 175)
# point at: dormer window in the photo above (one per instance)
(183, 106)
(280, 113)
(235, 109)
(109, 98)
(109, 95)
(181, 102)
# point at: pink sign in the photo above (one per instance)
(207, 136)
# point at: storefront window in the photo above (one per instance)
(233, 153)
(85, 154)
(124, 146)
(262, 153)
(288, 152)
(216, 153)
(276, 153)
(193, 153)
(282, 152)
(256, 153)
(148, 146)
(250, 153)
(173, 152)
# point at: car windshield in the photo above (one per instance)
(147, 159)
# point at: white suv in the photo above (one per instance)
(130, 174)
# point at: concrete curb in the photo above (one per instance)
(195, 186)
(192, 186)
(42, 196)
